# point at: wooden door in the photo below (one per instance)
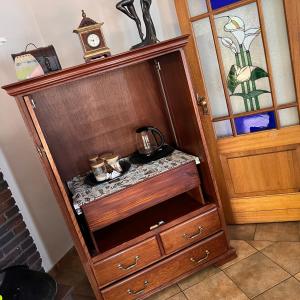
(244, 59)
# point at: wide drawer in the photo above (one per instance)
(191, 231)
(127, 261)
(170, 269)
(131, 200)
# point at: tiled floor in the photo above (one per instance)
(267, 267)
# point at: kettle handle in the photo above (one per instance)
(155, 130)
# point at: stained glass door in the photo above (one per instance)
(240, 51)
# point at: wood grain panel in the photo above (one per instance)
(108, 270)
(171, 268)
(102, 117)
(261, 140)
(272, 202)
(266, 216)
(263, 172)
(120, 205)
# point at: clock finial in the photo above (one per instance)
(83, 13)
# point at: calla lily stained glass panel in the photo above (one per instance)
(215, 4)
(255, 123)
(244, 59)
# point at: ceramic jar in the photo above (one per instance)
(99, 170)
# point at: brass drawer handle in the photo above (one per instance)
(126, 268)
(135, 293)
(193, 235)
(199, 261)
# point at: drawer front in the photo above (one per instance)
(150, 192)
(170, 269)
(191, 231)
(127, 262)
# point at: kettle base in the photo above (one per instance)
(141, 159)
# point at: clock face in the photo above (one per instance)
(93, 40)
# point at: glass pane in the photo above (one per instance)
(197, 7)
(220, 3)
(223, 129)
(277, 38)
(288, 117)
(210, 67)
(254, 123)
(244, 59)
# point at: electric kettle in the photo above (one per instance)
(149, 140)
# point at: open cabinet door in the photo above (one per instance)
(186, 118)
(246, 78)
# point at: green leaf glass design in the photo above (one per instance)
(243, 73)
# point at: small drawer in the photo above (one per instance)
(190, 231)
(137, 286)
(127, 261)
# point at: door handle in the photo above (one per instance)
(139, 292)
(199, 261)
(201, 101)
(127, 268)
(194, 235)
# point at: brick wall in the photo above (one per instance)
(16, 245)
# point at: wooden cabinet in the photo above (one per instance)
(145, 236)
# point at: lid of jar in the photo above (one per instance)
(109, 157)
(98, 164)
(93, 159)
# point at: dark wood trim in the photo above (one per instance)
(96, 67)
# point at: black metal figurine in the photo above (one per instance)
(127, 7)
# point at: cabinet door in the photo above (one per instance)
(249, 76)
(186, 118)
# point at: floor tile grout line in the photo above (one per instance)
(240, 260)
(296, 278)
(272, 287)
(236, 285)
(181, 292)
(255, 232)
(276, 263)
(201, 280)
(290, 275)
(186, 297)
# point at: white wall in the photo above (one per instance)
(52, 22)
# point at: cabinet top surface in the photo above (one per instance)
(29, 86)
(84, 194)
